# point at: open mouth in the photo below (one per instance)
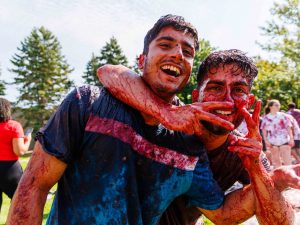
(171, 70)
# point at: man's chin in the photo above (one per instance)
(217, 130)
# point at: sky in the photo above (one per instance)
(84, 26)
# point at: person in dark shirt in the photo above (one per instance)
(224, 75)
(115, 165)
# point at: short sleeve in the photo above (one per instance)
(17, 130)
(63, 133)
(205, 192)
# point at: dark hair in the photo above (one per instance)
(292, 105)
(5, 110)
(241, 64)
(177, 22)
(269, 104)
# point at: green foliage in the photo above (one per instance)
(111, 53)
(204, 50)
(135, 67)
(275, 81)
(2, 86)
(284, 38)
(42, 76)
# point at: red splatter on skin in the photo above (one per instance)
(272, 208)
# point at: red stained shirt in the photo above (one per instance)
(8, 131)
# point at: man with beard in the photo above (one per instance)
(223, 76)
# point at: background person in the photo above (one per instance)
(296, 114)
(278, 135)
(13, 144)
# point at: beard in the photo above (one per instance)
(218, 130)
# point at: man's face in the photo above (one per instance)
(225, 84)
(168, 64)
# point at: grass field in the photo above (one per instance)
(6, 201)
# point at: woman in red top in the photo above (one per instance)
(13, 144)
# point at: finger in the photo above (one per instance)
(248, 118)
(197, 127)
(245, 151)
(256, 112)
(209, 117)
(247, 142)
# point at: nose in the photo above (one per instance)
(228, 97)
(177, 52)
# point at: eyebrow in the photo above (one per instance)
(237, 83)
(169, 38)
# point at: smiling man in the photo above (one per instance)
(224, 76)
(113, 164)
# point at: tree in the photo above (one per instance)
(42, 75)
(111, 53)
(284, 38)
(275, 81)
(2, 85)
(205, 49)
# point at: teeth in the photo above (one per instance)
(172, 68)
(223, 112)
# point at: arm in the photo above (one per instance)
(21, 145)
(264, 199)
(286, 176)
(131, 89)
(42, 172)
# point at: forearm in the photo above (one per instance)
(42, 172)
(271, 206)
(131, 89)
(27, 205)
(238, 206)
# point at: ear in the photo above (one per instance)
(195, 95)
(141, 61)
(251, 99)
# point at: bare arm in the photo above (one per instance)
(42, 172)
(21, 145)
(131, 89)
(265, 200)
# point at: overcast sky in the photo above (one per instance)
(83, 26)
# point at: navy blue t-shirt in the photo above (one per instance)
(120, 170)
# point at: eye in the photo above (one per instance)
(214, 88)
(240, 91)
(164, 45)
(188, 53)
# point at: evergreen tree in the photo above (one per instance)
(2, 85)
(284, 38)
(111, 53)
(42, 75)
(205, 49)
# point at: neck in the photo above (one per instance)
(212, 141)
(273, 113)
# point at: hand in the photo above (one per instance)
(248, 148)
(291, 143)
(187, 118)
(286, 176)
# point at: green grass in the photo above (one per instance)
(6, 201)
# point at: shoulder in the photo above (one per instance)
(13, 123)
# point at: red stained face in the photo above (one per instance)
(225, 84)
(168, 65)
